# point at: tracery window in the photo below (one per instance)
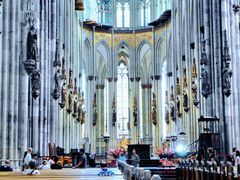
(84, 89)
(144, 11)
(104, 11)
(122, 101)
(123, 13)
(164, 89)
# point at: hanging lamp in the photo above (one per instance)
(79, 6)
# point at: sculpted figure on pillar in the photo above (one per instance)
(178, 104)
(205, 84)
(82, 120)
(63, 69)
(194, 93)
(185, 77)
(75, 86)
(227, 74)
(70, 102)
(57, 55)
(135, 114)
(166, 114)
(64, 93)
(57, 78)
(154, 112)
(185, 100)
(36, 84)
(70, 82)
(32, 46)
(114, 114)
(194, 69)
(75, 106)
(94, 116)
(94, 121)
(178, 88)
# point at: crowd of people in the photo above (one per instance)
(31, 163)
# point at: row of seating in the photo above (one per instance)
(207, 171)
(133, 173)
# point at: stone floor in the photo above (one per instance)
(66, 173)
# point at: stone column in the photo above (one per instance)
(6, 21)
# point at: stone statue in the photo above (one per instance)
(83, 117)
(94, 116)
(227, 75)
(70, 83)
(75, 105)
(178, 103)
(194, 91)
(172, 110)
(171, 94)
(57, 78)
(63, 69)
(154, 116)
(64, 93)
(135, 114)
(70, 102)
(184, 77)
(166, 114)
(194, 69)
(57, 55)
(32, 46)
(114, 117)
(178, 88)
(36, 84)
(185, 98)
(205, 84)
(75, 86)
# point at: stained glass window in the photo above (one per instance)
(164, 89)
(122, 101)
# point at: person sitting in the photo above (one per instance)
(237, 159)
(105, 171)
(82, 160)
(135, 158)
(57, 164)
(35, 158)
(6, 166)
(44, 165)
(28, 158)
(211, 156)
(51, 161)
(32, 170)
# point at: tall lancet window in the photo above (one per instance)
(164, 89)
(84, 90)
(147, 12)
(123, 13)
(104, 11)
(126, 15)
(122, 101)
(119, 15)
(144, 12)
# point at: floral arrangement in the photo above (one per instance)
(116, 152)
(164, 152)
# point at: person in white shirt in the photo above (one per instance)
(28, 157)
(237, 159)
(31, 170)
(44, 165)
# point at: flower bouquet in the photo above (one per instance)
(116, 152)
(164, 152)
